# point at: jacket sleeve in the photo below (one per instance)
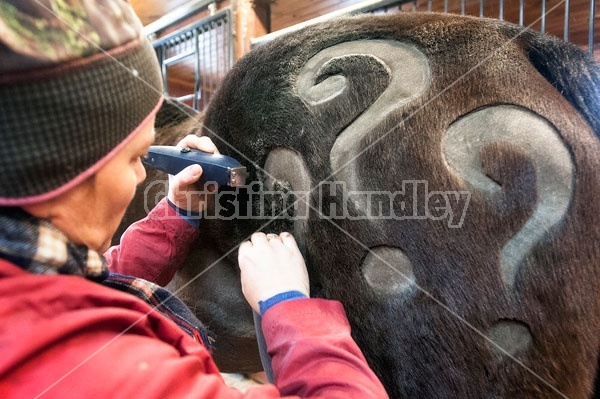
(313, 354)
(154, 247)
(313, 357)
(99, 342)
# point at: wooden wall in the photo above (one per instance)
(255, 18)
(285, 13)
(151, 10)
(262, 16)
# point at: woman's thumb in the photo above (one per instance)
(191, 174)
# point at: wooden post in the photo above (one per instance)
(252, 20)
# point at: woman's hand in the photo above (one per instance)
(183, 192)
(271, 264)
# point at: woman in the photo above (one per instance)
(79, 89)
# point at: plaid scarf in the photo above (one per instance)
(38, 247)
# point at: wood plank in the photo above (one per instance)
(285, 13)
(151, 10)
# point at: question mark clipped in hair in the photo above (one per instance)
(554, 170)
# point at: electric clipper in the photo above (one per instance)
(221, 169)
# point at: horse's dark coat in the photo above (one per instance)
(434, 340)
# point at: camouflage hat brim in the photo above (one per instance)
(40, 33)
(57, 124)
(76, 81)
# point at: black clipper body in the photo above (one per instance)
(221, 169)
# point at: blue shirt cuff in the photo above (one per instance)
(275, 299)
(192, 218)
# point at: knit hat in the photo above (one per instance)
(77, 81)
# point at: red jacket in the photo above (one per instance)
(63, 336)
(154, 247)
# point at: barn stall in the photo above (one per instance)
(198, 41)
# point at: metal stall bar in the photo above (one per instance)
(196, 101)
(521, 12)
(203, 58)
(591, 27)
(566, 28)
(210, 32)
(543, 29)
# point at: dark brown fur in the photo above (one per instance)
(429, 345)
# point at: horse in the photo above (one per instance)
(440, 174)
